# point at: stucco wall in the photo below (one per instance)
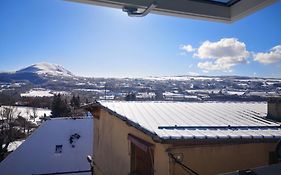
(111, 147)
(215, 159)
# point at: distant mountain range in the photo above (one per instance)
(43, 72)
(39, 72)
(55, 78)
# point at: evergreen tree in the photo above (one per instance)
(72, 101)
(131, 97)
(87, 101)
(59, 107)
(78, 103)
(75, 102)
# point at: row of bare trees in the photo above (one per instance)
(13, 126)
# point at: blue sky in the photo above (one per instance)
(104, 42)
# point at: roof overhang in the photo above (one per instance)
(214, 10)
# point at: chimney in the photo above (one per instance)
(274, 108)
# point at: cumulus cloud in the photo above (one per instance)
(187, 48)
(222, 55)
(273, 56)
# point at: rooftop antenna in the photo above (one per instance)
(133, 11)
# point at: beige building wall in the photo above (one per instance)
(112, 147)
(216, 159)
(112, 152)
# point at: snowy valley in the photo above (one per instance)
(45, 80)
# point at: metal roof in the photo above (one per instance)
(186, 120)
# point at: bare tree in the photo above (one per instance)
(34, 113)
(7, 132)
(25, 119)
(27, 112)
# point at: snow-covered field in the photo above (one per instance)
(27, 112)
(93, 90)
(41, 92)
(37, 93)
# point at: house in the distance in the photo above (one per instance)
(174, 138)
(58, 146)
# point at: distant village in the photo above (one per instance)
(178, 88)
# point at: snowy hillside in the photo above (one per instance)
(46, 69)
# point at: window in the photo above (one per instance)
(58, 149)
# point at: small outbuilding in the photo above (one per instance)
(173, 138)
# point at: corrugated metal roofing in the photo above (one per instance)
(212, 120)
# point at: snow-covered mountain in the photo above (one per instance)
(46, 69)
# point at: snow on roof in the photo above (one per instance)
(49, 149)
(183, 120)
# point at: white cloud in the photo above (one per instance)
(273, 56)
(224, 54)
(187, 48)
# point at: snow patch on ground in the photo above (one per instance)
(41, 92)
(14, 145)
(37, 93)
